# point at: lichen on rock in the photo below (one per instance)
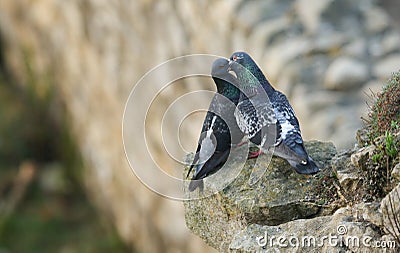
(280, 196)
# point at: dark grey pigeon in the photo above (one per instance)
(220, 130)
(288, 143)
(254, 113)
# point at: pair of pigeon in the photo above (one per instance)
(246, 105)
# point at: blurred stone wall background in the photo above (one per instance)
(324, 54)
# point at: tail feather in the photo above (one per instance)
(309, 169)
(211, 166)
(194, 184)
(302, 165)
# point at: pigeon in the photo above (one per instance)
(220, 131)
(288, 142)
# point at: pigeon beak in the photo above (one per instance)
(229, 69)
(232, 73)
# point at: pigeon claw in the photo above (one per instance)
(254, 154)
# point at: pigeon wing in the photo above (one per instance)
(252, 116)
(206, 128)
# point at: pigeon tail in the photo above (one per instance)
(194, 184)
(310, 168)
(210, 167)
(300, 161)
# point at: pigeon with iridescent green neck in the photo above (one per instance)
(255, 119)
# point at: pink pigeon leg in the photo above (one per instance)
(254, 154)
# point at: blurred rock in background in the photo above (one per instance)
(326, 55)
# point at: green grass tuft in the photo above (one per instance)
(385, 112)
(383, 131)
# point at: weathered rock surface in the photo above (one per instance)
(390, 207)
(396, 172)
(340, 232)
(287, 212)
(281, 195)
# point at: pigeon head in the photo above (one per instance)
(220, 68)
(240, 62)
(245, 69)
(224, 80)
(243, 59)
